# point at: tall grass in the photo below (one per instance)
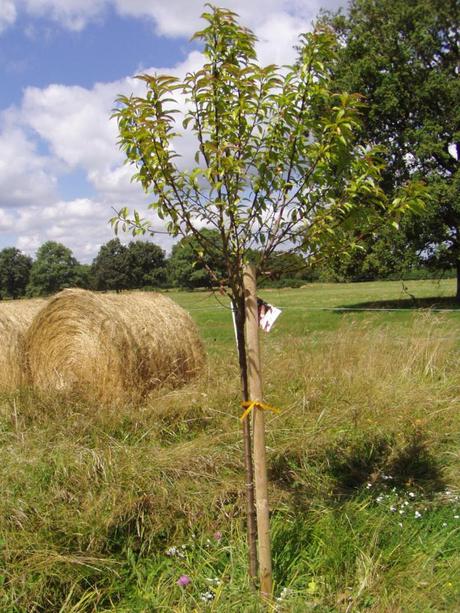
(105, 509)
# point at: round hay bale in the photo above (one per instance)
(112, 347)
(15, 318)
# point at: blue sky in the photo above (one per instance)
(62, 64)
(37, 53)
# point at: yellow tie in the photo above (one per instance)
(249, 406)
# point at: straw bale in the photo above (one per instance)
(15, 318)
(112, 347)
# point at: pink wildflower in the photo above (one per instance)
(183, 580)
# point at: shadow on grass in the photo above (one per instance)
(378, 458)
(436, 303)
(354, 461)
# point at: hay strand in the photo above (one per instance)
(15, 318)
(112, 347)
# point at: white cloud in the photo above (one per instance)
(75, 122)
(115, 183)
(24, 176)
(72, 125)
(76, 126)
(80, 224)
(277, 36)
(7, 14)
(182, 17)
(6, 221)
(71, 14)
(170, 18)
(29, 243)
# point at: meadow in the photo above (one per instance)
(106, 508)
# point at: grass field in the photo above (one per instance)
(104, 509)
(318, 307)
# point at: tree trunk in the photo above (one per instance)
(457, 296)
(247, 446)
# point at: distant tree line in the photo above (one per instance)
(116, 267)
(144, 265)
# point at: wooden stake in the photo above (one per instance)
(260, 462)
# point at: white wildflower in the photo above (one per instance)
(207, 596)
(285, 593)
(175, 552)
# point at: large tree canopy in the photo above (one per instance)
(188, 271)
(404, 57)
(55, 268)
(110, 267)
(14, 272)
(118, 267)
(146, 265)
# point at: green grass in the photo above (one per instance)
(311, 308)
(364, 472)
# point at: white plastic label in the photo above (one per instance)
(268, 314)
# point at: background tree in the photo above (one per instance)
(54, 269)
(189, 271)
(404, 57)
(277, 165)
(146, 265)
(110, 268)
(14, 272)
(84, 275)
(286, 269)
(383, 256)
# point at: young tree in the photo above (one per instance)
(14, 272)
(404, 56)
(276, 166)
(55, 268)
